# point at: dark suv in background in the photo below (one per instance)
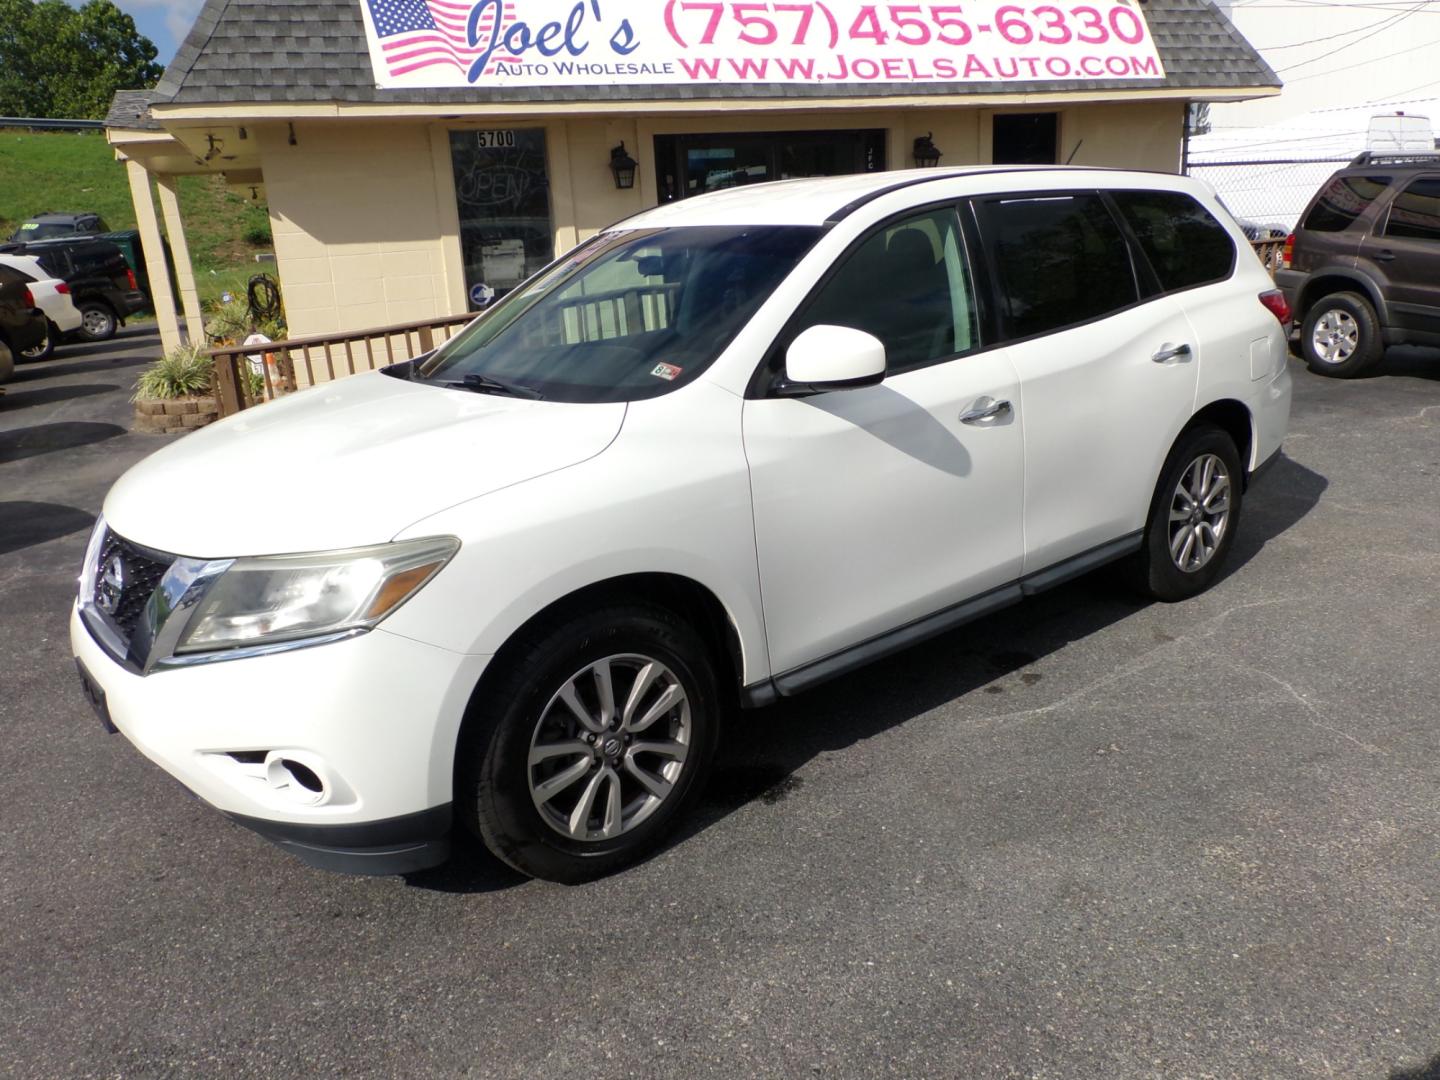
(1362, 269)
(101, 282)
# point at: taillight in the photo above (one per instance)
(130, 276)
(1277, 305)
(29, 299)
(1287, 253)
(62, 288)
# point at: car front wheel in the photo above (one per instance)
(1341, 336)
(588, 748)
(1193, 516)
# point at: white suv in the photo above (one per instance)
(719, 453)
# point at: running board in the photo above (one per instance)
(796, 680)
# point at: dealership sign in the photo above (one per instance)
(509, 43)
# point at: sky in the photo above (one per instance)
(165, 22)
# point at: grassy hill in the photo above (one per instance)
(64, 171)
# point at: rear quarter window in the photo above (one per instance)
(1342, 202)
(1416, 211)
(1186, 246)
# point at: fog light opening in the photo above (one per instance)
(295, 780)
(304, 776)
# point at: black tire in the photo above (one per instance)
(521, 709)
(1157, 571)
(46, 348)
(99, 323)
(1347, 320)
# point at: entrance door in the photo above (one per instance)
(878, 506)
(689, 165)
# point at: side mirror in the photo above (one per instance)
(834, 358)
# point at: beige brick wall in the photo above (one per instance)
(358, 236)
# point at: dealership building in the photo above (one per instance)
(420, 157)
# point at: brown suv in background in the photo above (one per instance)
(1362, 269)
(21, 326)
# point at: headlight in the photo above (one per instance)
(282, 598)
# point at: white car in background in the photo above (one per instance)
(52, 299)
(721, 452)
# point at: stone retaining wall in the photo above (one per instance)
(174, 416)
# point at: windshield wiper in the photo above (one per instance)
(484, 384)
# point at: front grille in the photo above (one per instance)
(125, 577)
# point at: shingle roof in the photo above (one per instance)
(315, 51)
(130, 109)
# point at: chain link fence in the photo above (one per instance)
(1268, 194)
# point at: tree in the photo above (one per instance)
(66, 62)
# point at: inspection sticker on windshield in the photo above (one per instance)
(668, 372)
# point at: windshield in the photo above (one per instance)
(630, 315)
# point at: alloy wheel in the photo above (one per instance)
(1199, 513)
(1335, 337)
(609, 747)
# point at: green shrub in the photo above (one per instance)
(181, 372)
(258, 235)
(229, 321)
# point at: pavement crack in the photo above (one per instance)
(1317, 716)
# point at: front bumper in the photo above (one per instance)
(342, 753)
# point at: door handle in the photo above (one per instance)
(1170, 352)
(1384, 256)
(985, 412)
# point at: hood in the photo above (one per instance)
(344, 464)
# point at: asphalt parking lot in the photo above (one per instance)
(1084, 838)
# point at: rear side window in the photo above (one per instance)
(1416, 211)
(1060, 260)
(1186, 246)
(1342, 202)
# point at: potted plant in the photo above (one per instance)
(173, 395)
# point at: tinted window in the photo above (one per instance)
(1416, 211)
(1185, 245)
(628, 316)
(1061, 259)
(1344, 199)
(909, 285)
(1023, 138)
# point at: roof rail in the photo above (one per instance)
(1416, 157)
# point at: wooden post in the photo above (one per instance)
(227, 386)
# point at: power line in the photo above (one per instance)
(1316, 41)
(1362, 63)
(1386, 24)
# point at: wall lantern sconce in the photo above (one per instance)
(927, 154)
(623, 166)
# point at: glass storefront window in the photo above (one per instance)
(503, 194)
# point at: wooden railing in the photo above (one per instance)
(247, 375)
(1270, 253)
(281, 367)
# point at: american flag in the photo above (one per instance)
(417, 34)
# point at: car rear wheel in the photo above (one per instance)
(99, 321)
(1341, 336)
(1193, 516)
(591, 746)
(46, 348)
